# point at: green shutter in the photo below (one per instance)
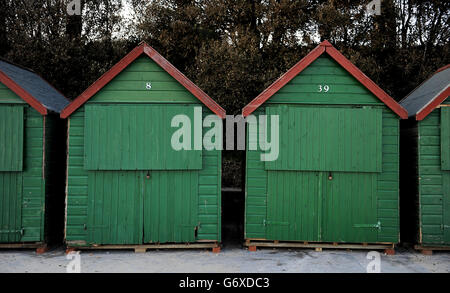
(328, 139)
(445, 138)
(11, 138)
(136, 137)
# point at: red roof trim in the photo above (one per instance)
(442, 68)
(283, 80)
(367, 82)
(127, 60)
(22, 93)
(325, 46)
(181, 78)
(434, 103)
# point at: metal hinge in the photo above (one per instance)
(21, 232)
(377, 225)
(265, 223)
(444, 226)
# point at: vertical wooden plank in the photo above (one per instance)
(445, 138)
(130, 137)
(11, 138)
(446, 207)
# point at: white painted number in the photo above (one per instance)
(324, 88)
(374, 265)
(148, 85)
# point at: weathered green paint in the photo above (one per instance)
(136, 137)
(445, 138)
(171, 206)
(328, 139)
(349, 205)
(295, 200)
(445, 159)
(173, 198)
(344, 88)
(434, 178)
(11, 138)
(22, 192)
(10, 207)
(9, 97)
(293, 206)
(115, 207)
(130, 86)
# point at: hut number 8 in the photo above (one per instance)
(148, 86)
(323, 88)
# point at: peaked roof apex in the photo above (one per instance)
(326, 44)
(143, 48)
(323, 47)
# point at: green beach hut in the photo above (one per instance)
(32, 158)
(426, 163)
(126, 186)
(335, 182)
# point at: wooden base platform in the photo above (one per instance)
(143, 248)
(318, 246)
(428, 250)
(39, 246)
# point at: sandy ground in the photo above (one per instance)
(230, 260)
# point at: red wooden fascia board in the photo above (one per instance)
(181, 78)
(284, 79)
(27, 97)
(434, 103)
(325, 46)
(442, 68)
(127, 60)
(102, 81)
(367, 82)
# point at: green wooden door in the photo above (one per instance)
(445, 159)
(115, 207)
(349, 207)
(10, 207)
(170, 206)
(293, 206)
(11, 163)
(141, 190)
(305, 202)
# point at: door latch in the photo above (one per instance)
(377, 225)
(21, 232)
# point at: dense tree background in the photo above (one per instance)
(232, 49)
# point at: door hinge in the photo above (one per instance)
(266, 223)
(21, 232)
(444, 226)
(377, 225)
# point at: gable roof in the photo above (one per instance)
(143, 48)
(325, 47)
(32, 88)
(429, 94)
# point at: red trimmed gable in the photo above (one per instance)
(323, 47)
(18, 90)
(143, 48)
(435, 103)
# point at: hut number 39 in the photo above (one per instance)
(323, 88)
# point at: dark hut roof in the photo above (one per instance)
(31, 84)
(429, 91)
